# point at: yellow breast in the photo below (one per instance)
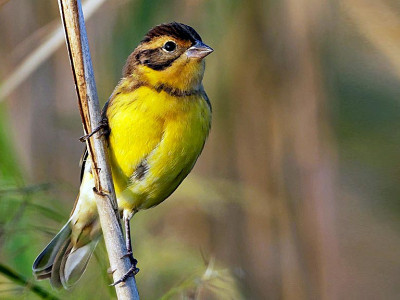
(154, 142)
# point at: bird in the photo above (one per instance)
(156, 123)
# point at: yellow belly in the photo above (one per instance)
(154, 142)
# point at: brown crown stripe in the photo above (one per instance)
(174, 29)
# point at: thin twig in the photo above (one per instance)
(78, 48)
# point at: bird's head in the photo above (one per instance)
(170, 54)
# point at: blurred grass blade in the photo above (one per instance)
(2, 2)
(21, 280)
(47, 212)
(380, 24)
(41, 53)
(26, 189)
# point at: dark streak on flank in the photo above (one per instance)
(141, 170)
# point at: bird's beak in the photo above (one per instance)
(198, 50)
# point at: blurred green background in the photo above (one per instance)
(296, 195)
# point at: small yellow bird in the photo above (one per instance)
(156, 122)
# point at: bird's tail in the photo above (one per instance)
(63, 261)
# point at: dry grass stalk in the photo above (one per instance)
(78, 48)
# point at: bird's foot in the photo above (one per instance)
(131, 258)
(100, 193)
(103, 127)
(131, 272)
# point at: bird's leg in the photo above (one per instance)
(103, 127)
(133, 269)
(128, 241)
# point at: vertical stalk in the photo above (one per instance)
(78, 49)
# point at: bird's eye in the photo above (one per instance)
(169, 46)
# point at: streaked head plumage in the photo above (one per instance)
(170, 47)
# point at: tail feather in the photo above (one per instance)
(44, 274)
(43, 264)
(75, 262)
(55, 276)
(61, 262)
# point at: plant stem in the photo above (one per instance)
(78, 48)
